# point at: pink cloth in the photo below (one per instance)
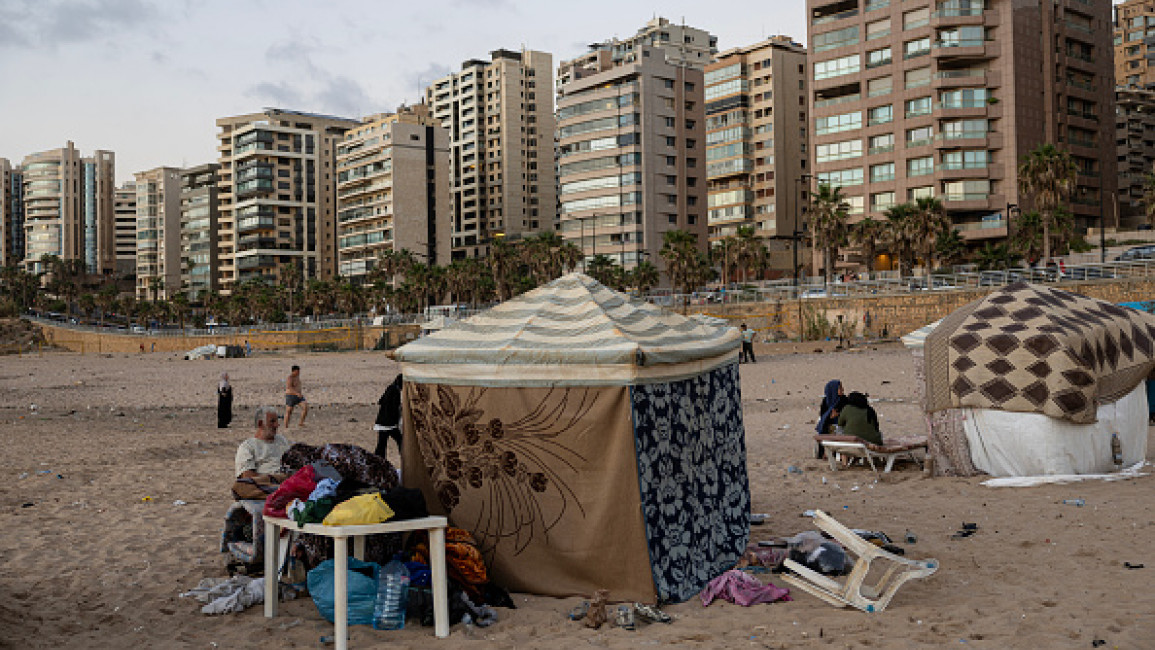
(745, 590)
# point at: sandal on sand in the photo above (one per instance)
(651, 613)
(579, 612)
(625, 617)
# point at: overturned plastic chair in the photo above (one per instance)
(853, 592)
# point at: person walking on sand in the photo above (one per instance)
(293, 397)
(224, 402)
(747, 353)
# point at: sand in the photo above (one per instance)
(94, 549)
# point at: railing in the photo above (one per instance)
(819, 103)
(822, 20)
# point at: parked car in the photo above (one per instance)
(1146, 252)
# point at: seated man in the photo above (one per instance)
(258, 459)
(857, 418)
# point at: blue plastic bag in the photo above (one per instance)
(362, 589)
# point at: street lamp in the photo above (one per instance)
(1012, 211)
(799, 225)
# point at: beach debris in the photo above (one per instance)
(178, 502)
(793, 469)
(910, 538)
(579, 611)
(809, 513)
(758, 519)
(1129, 565)
(596, 616)
(146, 499)
(651, 613)
(967, 530)
(23, 475)
(1074, 502)
(34, 408)
(625, 618)
(27, 505)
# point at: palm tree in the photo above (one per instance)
(1027, 239)
(504, 260)
(949, 247)
(180, 307)
(155, 284)
(926, 221)
(644, 276)
(751, 253)
(866, 235)
(680, 251)
(603, 269)
(1048, 175)
(829, 213)
(995, 256)
(291, 279)
(897, 234)
(1149, 198)
(725, 253)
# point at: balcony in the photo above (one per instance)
(256, 262)
(962, 49)
(251, 224)
(986, 229)
(254, 187)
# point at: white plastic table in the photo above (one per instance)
(341, 534)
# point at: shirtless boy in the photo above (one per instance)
(293, 397)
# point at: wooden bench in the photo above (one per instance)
(854, 447)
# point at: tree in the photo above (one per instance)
(927, 220)
(644, 276)
(1027, 236)
(155, 284)
(949, 247)
(829, 213)
(750, 254)
(1149, 198)
(180, 308)
(1048, 175)
(680, 251)
(897, 235)
(106, 299)
(291, 279)
(995, 256)
(603, 269)
(724, 252)
(504, 261)
(866, 235)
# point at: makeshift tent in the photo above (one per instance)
(1032, 380)
(587, 440)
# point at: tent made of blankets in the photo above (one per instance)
(1032, 381)
(586, 439)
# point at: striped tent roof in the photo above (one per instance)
(572, 331)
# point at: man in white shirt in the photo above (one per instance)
(262, 453)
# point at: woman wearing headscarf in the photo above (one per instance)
(858, 418)
(833, 399)
(389, 418)
(224, 402)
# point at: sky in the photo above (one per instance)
(148, 79)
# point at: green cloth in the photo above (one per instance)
(314, 512)
(854, 422)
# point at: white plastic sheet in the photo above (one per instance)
(1003, 443)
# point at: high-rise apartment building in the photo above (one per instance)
(68, 208)
(945, 97)
(158, 233)
(632, 150)
(499, 114)
(124, 208)
(277, 196)
(1135, 43)
(756, 145)
(1135, 146)
(198, 229)
(393, 191)
(11, 214)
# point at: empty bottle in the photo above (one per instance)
(1117, 450)
(392, 597)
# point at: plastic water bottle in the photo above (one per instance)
(1117, 450)
(392, 597)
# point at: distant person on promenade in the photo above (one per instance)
(293, 397)
(388, 423)
(747, 353)
(224, 402)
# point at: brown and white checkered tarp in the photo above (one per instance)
(1035, 349)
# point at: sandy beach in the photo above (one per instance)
(113, 488)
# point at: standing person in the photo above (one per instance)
(293, 397)
(747, 345)
(248, 349)
(389, 418)
(224, 402)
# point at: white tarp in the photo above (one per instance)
(1005, 443)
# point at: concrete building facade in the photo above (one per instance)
(922, 98)
(277, 197)
(198, 229)
(124, 209)
(1135, 147)
(68, 208)
(500, 118)
(11, 214)
(631, 151)
(393, 191)
(1135, 43)
(756, 145)
(158, 233)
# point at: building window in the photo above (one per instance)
(917, 47)
(880, 115)
(837, 67)
(919, 166)
(882, 173)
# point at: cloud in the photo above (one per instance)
(51, 23)
(278, 94)
(422, 79)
